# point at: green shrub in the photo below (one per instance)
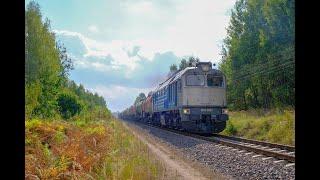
(30, 124)
(230, 129)
(32, 93)
(59, 136)
(69, 105)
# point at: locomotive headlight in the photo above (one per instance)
(224, 111)
(186, 111)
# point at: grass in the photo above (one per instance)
(130, 158)
(86, 150)
(275, 126)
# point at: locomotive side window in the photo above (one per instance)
(195, 80)
(216, 81)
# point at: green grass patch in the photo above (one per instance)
(275, 126)
(129, 158)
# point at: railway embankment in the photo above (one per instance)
(228, 162)
(176, 166)
(276, 126)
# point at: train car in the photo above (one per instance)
(147, 108)
(138, 114)
(192, 99)
(132, 112)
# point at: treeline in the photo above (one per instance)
(258, 54)
(189, 62)
(49, 94)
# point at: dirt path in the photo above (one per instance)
(175, 166)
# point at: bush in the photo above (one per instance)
(230, 129)
(32, 93)
(69, 105)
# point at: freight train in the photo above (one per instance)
(192, 99)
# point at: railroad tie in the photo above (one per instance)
(267, 158)
(290, 164)
(289, 153)
(259, 155)
(278, 161)
(280, 151)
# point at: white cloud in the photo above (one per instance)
(93, 29)
(119, 97)
(198, 29)
(113, 92)
(115, 48)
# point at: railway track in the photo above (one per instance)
(278, 151)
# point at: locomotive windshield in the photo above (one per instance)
(195, 80)
(216, 81)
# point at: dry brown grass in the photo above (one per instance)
(58, 149)
(86, 150)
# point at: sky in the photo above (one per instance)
(123, 47)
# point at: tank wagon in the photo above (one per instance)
(193, 99)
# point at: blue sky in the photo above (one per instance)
(123, 47)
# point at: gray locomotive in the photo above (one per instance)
(193, 99)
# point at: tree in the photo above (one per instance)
(258, 54)
(47, 67)
(69, 105)
(140, 98)
(42, 63)
(173, 68)
(183, 64)
(191, 62)
(66, 62)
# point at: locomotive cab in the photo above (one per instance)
(203, 99)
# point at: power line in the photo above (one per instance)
(273, 69)
(262, 66)
(261, 69)
(265, 71)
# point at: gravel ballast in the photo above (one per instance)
(229, 161)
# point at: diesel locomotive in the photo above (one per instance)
(192, 99)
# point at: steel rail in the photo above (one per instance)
(263, 143)
(283, 156)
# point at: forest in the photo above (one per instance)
(49, 93)
(258, 55)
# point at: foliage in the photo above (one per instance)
(273, 125)
(42, 63)
(140, 98)
(57, 148)
(47, 67)
(258, 54)
(69, 105)
(97, 149)
(173, 68)
(184, 63)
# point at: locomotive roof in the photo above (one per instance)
(176, 76)
(173, 78)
